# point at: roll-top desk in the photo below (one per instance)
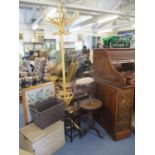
(115, 79)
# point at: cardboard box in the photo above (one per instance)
(42, 141)
(22, 152)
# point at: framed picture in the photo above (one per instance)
(50, 44)
(39, 35)
(20, 36)
(34, 94)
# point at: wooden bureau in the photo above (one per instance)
(115, 89)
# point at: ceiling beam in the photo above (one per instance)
(90, 21)
(41, 18)
(29, 8)
(76, 7)
(116, 27)
(114, 8)
(102, 25)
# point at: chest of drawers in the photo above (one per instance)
(115, 116)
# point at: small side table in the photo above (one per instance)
(90, 106)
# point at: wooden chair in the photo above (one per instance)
(71, 71)
(70, 76)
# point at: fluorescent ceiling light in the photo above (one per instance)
(105, 31)
(107, 19)
(35, 26)
(51, 13)
(75, 29)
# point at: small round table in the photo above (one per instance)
(90, 106)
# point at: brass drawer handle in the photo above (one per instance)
(124, 106)
(123, 127)
(123, 101)
(126, 117)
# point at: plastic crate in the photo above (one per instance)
(47, 112)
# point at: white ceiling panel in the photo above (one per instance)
(29, 11)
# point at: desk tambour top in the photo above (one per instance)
(91, 104)
(115, 66)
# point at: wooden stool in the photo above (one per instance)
(72, 123)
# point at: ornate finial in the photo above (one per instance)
(61, 21)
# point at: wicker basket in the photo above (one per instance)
(47, 112)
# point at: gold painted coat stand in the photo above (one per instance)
(61, 22)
